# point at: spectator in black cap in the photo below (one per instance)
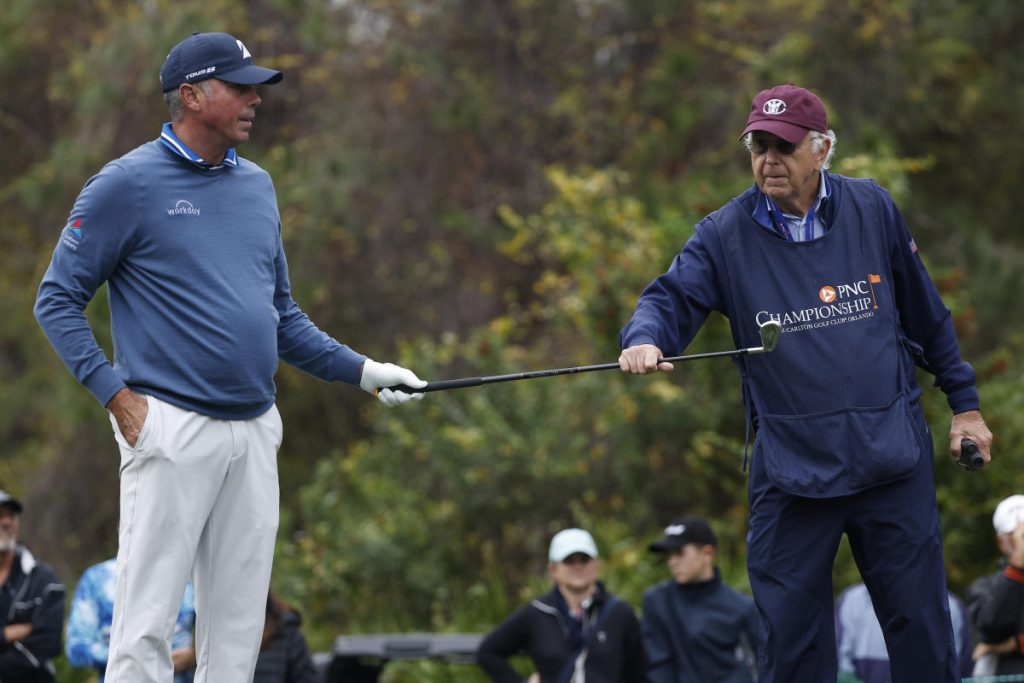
(576, 633)
(187, 236)
(695, 628)
(31, 606)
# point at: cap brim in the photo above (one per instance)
(580, 551)
(665, 545)
(251, 75)
(787, 131)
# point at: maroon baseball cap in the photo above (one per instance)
(788, 111)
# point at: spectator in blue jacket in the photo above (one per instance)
(31, 605)
(861, 646)
(695, 628)
(92, 612)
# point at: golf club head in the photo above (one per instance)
(770, 332)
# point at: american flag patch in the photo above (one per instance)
(913, 246)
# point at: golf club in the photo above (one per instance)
(769, 331)
(970, 458)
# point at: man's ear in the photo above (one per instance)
(825, 147)
(190, 96)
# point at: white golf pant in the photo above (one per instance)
(198, 496)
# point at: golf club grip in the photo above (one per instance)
(970, 456)
(439, 386)
(701, 356)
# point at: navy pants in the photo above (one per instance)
(893, 531)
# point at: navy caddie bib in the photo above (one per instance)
(833, 400)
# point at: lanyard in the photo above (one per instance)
(782, 225)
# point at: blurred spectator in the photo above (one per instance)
(31, 606)
(695, 628)
(284, 656)
(578, 631)
(92, 612)
(863, 655)
(996, 602)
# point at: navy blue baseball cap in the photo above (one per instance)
(203, 56)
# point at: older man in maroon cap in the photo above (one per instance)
(841, 442)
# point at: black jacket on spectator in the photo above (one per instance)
(286, 658)
(31, 595)
(541, 630)
(995, 604)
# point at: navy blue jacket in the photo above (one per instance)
(672, 309)
(693, 632)
(834, 404)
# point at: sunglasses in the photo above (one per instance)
(760, 145)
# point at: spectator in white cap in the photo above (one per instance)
(996, 602)
(577, 632)
(695, 628)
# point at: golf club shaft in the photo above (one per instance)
(493, 379)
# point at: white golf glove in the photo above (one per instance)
(378, 376)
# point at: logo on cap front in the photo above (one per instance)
(245, 53)
(774, 107)
(675, 530)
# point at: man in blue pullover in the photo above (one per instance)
(187, 235)
(841, 443)
(696, 628)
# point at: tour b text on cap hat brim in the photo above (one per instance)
(203, 56)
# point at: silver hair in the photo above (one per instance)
(817, 140)
(172, 98)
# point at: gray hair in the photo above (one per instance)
(817, 140)
(172, 98)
